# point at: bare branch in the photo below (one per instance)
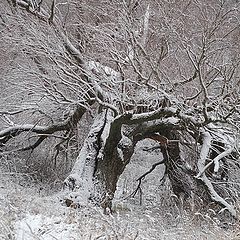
(206, 137)
(108, 105)
(215, 161)
(68, 124)
(52, 12)
(138, 188)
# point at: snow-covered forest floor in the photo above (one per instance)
(30, 210)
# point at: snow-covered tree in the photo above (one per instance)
(163, 70)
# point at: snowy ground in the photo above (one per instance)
(34, 212)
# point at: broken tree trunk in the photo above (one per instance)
(80, 179)
(180, 177)
(102, 159)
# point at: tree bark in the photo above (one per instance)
(102, 159)
(81, 178)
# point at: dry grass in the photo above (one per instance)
(26, 205)
(34, 205)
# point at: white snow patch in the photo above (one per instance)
(120, 153)
(172, 120)
(99, 68)
(34, 227)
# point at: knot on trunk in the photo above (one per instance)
(72, 182)
(71, 202)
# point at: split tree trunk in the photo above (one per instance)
(102, 159)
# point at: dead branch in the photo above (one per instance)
(216, 162)
(67, 125)
(35, 145)
(52, 12)
(151, 148)
(206, 138)
(138, 188)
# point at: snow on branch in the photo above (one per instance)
(206, 137)
(108, 105)
(206, 146)
(13, 131)
(172, 115)
(43, 15)
(146, 26)
(163, 112)
(216, 161)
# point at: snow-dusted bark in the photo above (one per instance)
(81, 176)
(146, 26)
(183, 184)
(216, 162)
(102, 159)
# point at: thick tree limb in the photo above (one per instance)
(177, 115)
(68, 124)
(115, 134)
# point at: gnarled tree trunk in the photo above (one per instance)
(102, 159)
